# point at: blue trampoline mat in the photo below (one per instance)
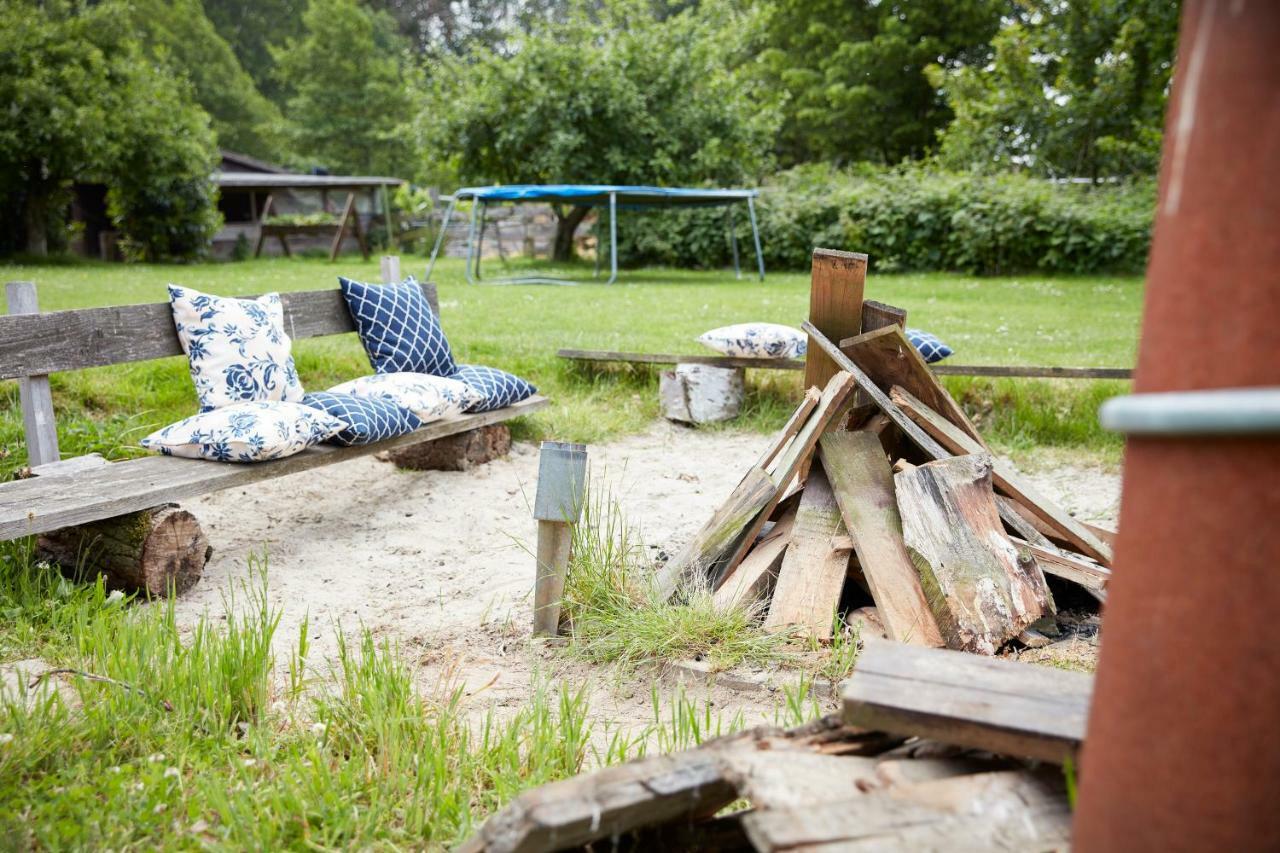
(598, 194)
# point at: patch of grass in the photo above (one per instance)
(1072, 321)
(211, 750)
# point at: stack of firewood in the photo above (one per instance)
(880, 489)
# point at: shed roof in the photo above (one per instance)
(284, 180)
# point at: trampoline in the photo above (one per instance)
(588, 195)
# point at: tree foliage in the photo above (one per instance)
(853, 71)
(608, 95)
(86, 103)
(1076, 89)
(346, 82)
(253, 28)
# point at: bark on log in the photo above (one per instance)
(153, 550)
(698, 394)
(455, 452)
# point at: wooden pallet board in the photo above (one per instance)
(1006, 707)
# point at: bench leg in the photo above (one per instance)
(454, 452)
(153, 550)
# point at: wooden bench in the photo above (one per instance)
(127, 506)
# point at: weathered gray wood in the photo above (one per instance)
(554, 541)
(978, 587)
(1052, 561)
(699, 394)
(785, 776)
(1032, 372)
(863, 485)
(390, 269)
(791, 427)
(40, 344)
(40, 504)
(1006, 479)
(69, 467)
(1012, 810)
(814, 568)
(38, 425)
(1011, 708)
(752, 578)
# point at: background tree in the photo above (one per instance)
(253, 28)
(853, 71)
(85, 103)
(1076, 89)
(347, 89)
(607, 96)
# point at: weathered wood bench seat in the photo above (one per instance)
(80, 491)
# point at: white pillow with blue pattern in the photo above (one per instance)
(399, 331)
(497, 388)
(756, 340)
(246, 432)
(930, 348)
(237, 349)
(369, 419)
(429, 397)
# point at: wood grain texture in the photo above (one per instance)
(863, 485)
(554, 540)
(877, 315)
(1006, 479)
(42, 504)
(889, 358)
(1052, 561)
(791, 427)
(814, 567)
(34, 395)
(836, 285)
(979, 589)
(1031, 371)
(752, 579)
(1006, 707)
(40, 344)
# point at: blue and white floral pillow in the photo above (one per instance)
(369, 419)
(930, 348)
(497, 387)
(237, 349)
(246, 432)
(429, 397)
(400, 332)
(756, 340)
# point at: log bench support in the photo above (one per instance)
(459, 452)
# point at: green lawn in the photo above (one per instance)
(1016, 320)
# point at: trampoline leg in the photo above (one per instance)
(471, 240)
(444, 227)
(613, 238)
(755, 235)
(733, 241)
(484, 210)
(599, 240)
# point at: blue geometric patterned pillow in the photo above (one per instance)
(928, 345)
(498, 387)
(368, 419)
(399, 330)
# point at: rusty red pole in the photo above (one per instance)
(1183, 746)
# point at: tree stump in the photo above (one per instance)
(153, 550)
(454, 452)
(701, 394)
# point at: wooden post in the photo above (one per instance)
(262, 224)
(347, 210)
(390, 269)
(38, 423)
(835, 307)
(562, 475)
(392, 239)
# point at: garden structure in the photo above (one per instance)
(594, 196)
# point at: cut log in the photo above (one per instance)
(864, 491)
(1007, 707)
(752, 579)
(815, 565)
(699, 394)
(154, 550)
(889, 358)
(1005, 478)
(980, 590)
(459, 452)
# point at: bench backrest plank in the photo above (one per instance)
(40, 344)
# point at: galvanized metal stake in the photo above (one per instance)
(562, 477)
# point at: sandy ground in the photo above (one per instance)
(440, 562)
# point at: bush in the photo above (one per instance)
(915, 218)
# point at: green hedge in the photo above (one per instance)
(915, 219)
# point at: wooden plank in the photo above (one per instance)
(554, 541)
(1011, 810)
(814, 568)
(1091, 576)
(751, 579)
(347, 210)
(35, 397)
(70, 467)
(890, 359)
(41, 504)
(836, 284)
(1006, 479)
(1004, 706)
(40, 344)
(791, 427)
(723, 541)
(877, 315)
(1032, 372)
(980, 590)
(863, 486)
(784, 776)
